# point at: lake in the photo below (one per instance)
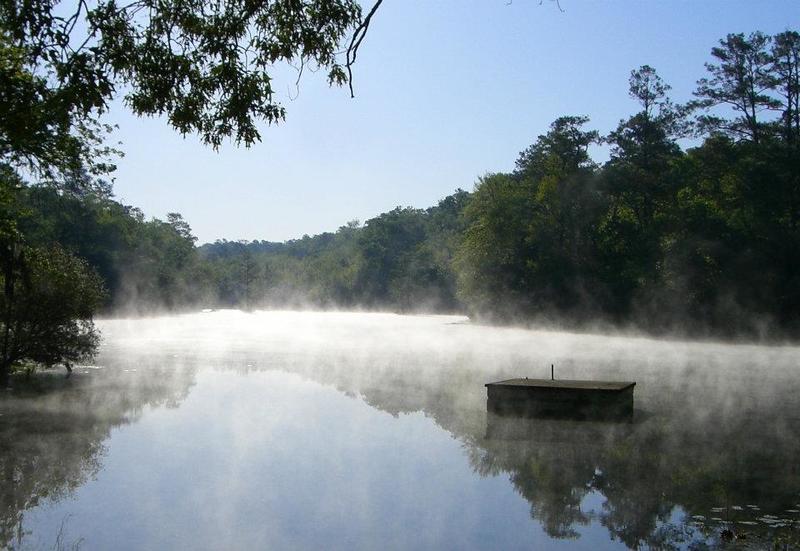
(309, 430)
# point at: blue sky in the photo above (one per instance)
(446, 91)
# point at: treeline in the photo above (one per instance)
(665, 238)
(151, 262)
(402, 259)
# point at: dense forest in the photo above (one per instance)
(700, 239)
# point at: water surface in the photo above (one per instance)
(348, 430)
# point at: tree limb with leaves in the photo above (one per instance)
(205, 65)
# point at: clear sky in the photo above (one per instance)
(446, 91)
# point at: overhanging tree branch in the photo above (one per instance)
(355, 43)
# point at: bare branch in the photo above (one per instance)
(297, 82)
(355, 42)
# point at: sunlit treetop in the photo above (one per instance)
(754, 76)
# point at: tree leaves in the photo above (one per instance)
(204, 65)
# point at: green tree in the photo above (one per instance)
(564, 148)
(490, 263)
(786, 71)
(742, 81)
(527, 247)
(639, 184)
(560, 261)
(731, 252)
(49, 298)
(388, 243)
(45, 128)
(249, 274)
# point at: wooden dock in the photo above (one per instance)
(603, 400)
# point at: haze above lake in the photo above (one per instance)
(310, 430)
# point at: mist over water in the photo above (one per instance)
(361, 430)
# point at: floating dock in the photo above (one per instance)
(603, 400)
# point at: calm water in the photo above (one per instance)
(279, 430)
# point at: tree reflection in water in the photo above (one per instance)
(53, 431)
(695, 448)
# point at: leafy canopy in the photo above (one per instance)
(204, 65)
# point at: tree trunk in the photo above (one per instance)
(5, 373)
(8, 295)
